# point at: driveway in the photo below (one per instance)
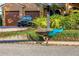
(37, 50)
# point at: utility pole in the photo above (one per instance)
(48, 17)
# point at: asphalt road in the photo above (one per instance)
(37, 50)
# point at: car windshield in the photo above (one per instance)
(27, 18)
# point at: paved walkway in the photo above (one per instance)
(10, 28)
(66, 43)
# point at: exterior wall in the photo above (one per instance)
(34, 14)
(70, 5)
(74, 4)
(31, 7)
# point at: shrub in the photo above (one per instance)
(56, 20)
(76, 19)
(69, 22)
(41, 21)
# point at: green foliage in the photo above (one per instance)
(34, 36)
(41, 21)
(56, 20)
(71, 21)
(68, 35)
(55, 6)
(74, 11)
(56, 16)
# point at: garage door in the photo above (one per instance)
(11, 18)
(34, 14)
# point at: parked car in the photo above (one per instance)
(25, 21)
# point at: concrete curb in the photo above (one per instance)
(66, 43)
(61, 43)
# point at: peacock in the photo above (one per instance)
(55, 31)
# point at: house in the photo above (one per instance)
(11, 12)
(72, 5)
(67, 7)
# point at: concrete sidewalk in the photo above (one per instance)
(58, 43)
(11, 29)
(67, 43)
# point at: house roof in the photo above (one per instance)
(31, 7)
(27, 6)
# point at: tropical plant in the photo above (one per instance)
(56, 20)
(41, 21)
(71, 21)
